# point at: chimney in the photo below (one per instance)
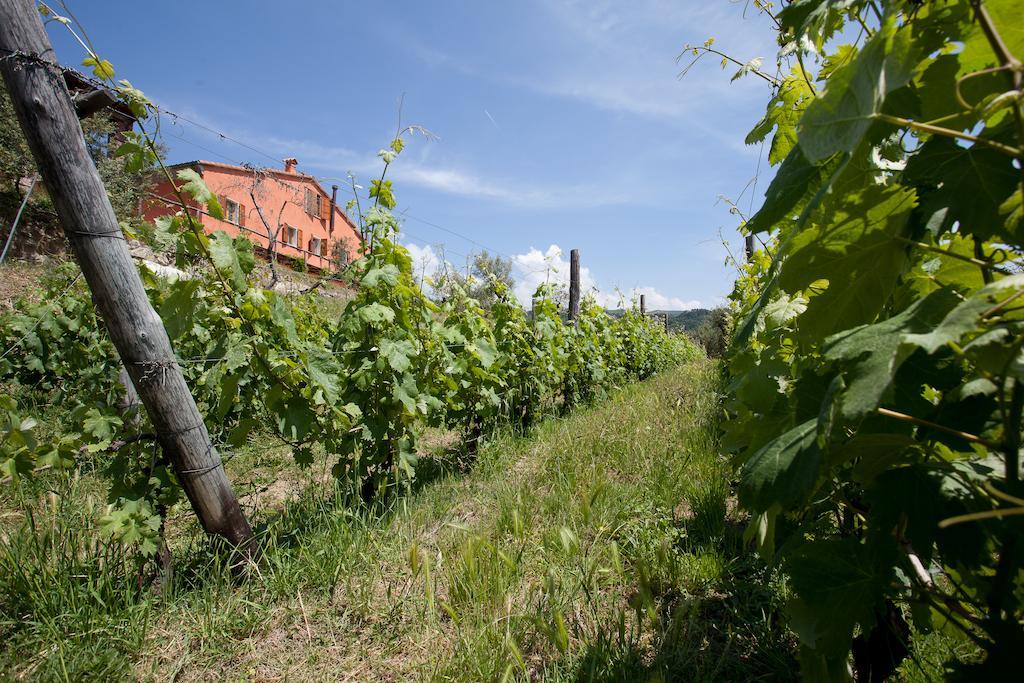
(289, 164)
(334, 203)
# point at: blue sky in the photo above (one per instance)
(561, 123)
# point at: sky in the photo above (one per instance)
(556, 124)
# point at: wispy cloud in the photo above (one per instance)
(335, 161)
(622, 57)
(523, 195)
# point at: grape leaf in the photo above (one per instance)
(196, 187)
(233, 258)
(295, 418)
(856, 249)
(840, 583)
(388, 274)
(397, 353)
(784, 111)
(795, 179)
(968, 183)
(964, 319)
(838, 120)
(784, 471)
(871, 354)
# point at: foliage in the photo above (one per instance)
(125, 184)
(875, 391)
(480, 283)
(713, 333)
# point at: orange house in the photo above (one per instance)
(304, 220)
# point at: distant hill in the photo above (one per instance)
(678, 321)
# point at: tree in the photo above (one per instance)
(485, 272)
(124, 187)
(15, 157)
(713, 332)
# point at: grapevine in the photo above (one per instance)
(874, 394)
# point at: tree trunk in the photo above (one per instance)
(48, 119)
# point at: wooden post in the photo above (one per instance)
(574, 284)
(47, 116)
(749, 244)
(643, 304)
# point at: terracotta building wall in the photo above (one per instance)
(286, 198)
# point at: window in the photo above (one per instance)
(314, 203)
(291, 236)
(314, 245)
(231, 211)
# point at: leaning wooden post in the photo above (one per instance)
(643, 304)
(749, 247)
(48, 119)
(574, 284)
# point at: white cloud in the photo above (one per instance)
(536, 267)
(425, 262)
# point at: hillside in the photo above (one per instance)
(678, 321)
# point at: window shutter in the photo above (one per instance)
(298, 242)
(241, 215)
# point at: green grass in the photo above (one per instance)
(604, 546)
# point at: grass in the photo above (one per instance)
(604, 546)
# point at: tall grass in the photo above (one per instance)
(603, 546)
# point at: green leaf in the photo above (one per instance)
(407, 393)
(233, 258)
(784, 111)
(856, 247)
(840, 584)
(486, 351)
(397, 353)
(295, 418)
(382, 192)
(795, 179)
(196, 187)
(970, 184)
(101, 68)
(324, 373)
(965, 318)
(838, 120)
(909, 498)
(871, 354)
(784, 471)
(376, 313)
(388, 273)
(783, 310)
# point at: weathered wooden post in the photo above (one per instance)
(749, 247)
(643, 304)
(574, 284)
(48, 119)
